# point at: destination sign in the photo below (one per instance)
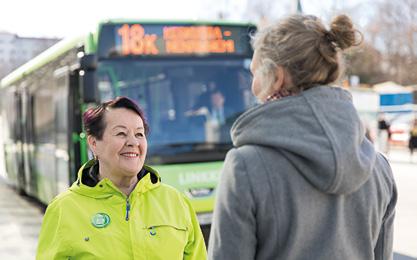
(173, 40)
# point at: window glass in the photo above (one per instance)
(184, 101)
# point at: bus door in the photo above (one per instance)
(9, 116)
(62, 117)
(27, 141)
(74, 125)
(18, 142)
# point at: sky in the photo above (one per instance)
(52, 18)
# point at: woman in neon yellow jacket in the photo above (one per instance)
(118, 208)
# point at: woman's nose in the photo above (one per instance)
(132, 141)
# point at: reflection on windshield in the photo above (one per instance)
(188, 104)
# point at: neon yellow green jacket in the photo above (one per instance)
(154, 222)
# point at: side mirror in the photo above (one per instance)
(88, 62)
(88, 78)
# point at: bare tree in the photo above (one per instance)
(366, 62)
(394, 32)
(389, 51)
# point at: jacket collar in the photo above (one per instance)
(87, 185)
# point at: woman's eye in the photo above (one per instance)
(140, 135)
(121, 134)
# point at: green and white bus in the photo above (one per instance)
(170, 68)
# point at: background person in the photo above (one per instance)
(216, 117)
(302, 182)
(213, 108)
(118, 208)
(384, 134)
(203, 100)
(218, 112)
(412, 142)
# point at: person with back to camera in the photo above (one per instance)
(118, 208)
(302, 181)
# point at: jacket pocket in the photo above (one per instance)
(167, 240)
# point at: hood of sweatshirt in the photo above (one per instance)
(318, 131)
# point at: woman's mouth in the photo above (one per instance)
(130, 155)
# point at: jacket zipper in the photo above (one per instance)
(127, 209)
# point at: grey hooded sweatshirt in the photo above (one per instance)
(303, 182)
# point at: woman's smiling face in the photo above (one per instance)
(122, 149)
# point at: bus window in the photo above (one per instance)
(169, 90)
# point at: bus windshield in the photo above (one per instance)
(190, 104)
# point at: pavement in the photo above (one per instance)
(405, 225)
(21, 218)
(20, 221)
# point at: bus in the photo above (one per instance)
(176, 71)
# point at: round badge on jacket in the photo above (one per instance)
(100, 220)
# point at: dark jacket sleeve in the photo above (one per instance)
(233, 231)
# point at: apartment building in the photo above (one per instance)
(16, 50)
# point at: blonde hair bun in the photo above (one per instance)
(308, 51)
(342, 32)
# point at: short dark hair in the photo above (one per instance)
(93, 118)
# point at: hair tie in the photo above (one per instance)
(329, 37)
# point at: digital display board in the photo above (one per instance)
(159, 40)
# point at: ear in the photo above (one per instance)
(92, 143)
(279, 79)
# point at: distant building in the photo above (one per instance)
(414, 88)
(394, 97)
(396, 104)
(16, 50)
